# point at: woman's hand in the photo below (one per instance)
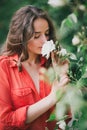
(62, 79)
(60, 67)
(59, 87)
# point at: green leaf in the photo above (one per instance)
(52, 117)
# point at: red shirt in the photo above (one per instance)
(17, 93)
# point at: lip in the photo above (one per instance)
(40, 47)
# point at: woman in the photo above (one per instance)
(26, 101)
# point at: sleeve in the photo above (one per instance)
(9, 116)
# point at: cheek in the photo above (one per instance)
(32, 46)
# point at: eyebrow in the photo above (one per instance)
(40, 32)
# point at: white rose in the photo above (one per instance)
(63, 52)
(82, 7)
(55, 3)
(75, 40)
(48, 47)
(62, 124)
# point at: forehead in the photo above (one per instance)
(40, 24)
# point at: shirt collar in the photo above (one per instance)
(14, 60)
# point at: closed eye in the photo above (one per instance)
(38, 34)
(47, 33)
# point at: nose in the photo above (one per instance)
(43, 38)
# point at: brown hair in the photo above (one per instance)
(21, 30)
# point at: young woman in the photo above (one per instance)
(26, 101)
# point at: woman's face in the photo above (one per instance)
(41, 34)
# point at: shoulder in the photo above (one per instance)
(7, 60)
(3, 65)
(3, 60)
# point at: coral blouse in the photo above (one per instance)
(17, 93)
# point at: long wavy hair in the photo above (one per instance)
(21, 29)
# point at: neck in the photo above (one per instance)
(33, 60)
